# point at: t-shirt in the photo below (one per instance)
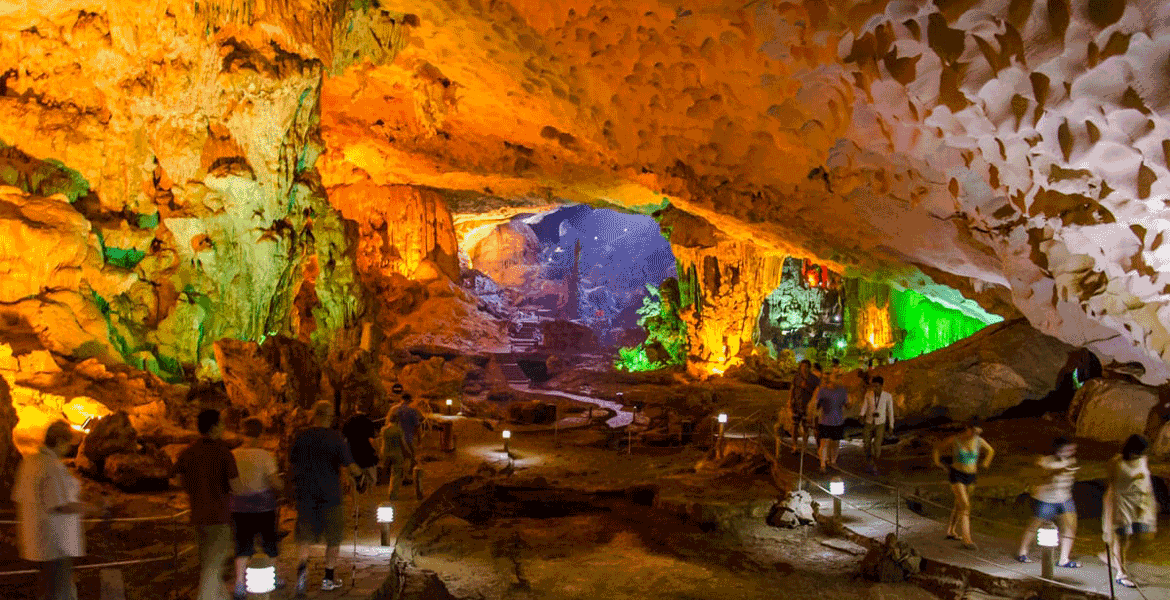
(409, 419)
(316, 459)
(207, 467)
(831, 402)
(393, 441)
(1057, 487)
(253, 494)
(43, 484)
(802, 390)
(358, 431)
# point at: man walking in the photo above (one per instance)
(317, 456)
(49, 513)
(254, 503)
(877, 413)
(209, 472)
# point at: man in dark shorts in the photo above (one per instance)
(317, 456)
(358, 432)
(803, 386)
(209, 473)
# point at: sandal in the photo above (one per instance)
(1126, 582)
(1072, 564)
(952, 537)
(1023, 558)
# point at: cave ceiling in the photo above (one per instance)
(1014, 148)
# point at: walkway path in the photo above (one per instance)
(620, 419)
(871, 507)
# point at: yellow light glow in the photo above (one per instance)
(716, 371)
(873, 325)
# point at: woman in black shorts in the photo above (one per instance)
(965, 450)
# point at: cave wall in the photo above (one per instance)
(180, 141)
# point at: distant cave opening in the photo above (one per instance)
(819, 315)
(591, 267)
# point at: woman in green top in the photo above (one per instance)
(965, 449)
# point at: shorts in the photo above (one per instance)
(1133, 529)
(1047, 511)
(799, 415)
(957, 476)
(249, 525)
(831, 432)
(315, 522)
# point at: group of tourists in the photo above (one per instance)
(818, 404)
(234, 495)
(1129, 508)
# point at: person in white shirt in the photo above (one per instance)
(49, 510)
(1052, 501)
(877, 414)
(254, 502)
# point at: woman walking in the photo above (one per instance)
(966, 448)
(1052, 501)
(1130, 508)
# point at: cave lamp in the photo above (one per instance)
(385, 513)
(837, 489)
(507, 435)
(260, 580)
(722, 417)
(448, 406)
(1048, 537)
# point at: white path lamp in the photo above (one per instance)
(449, 403)
(507, 435)
(837, 489)
(260, 578)
(1048, 537)
(722, 424)
(385, 516)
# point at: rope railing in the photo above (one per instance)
(173, 556)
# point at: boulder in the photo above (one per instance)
(133, 471)
(1110, 410)
(891, 562)
(985, 375)
(111, 435)
(434, 378)
(264, 381)
(795, 509)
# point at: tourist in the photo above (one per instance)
(316, 458)
(819, 373)
(966, 448)
(48, 512)
(410, 420)
(1052, 501)
(254, 502)
(803, 386)
(395, 453)
(877, 414)
(1130, 509)
(209, 473)
(832, 400)
(358, 432)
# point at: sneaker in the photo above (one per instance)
(328, 585)
(302, 581)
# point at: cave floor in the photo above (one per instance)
(612, 557)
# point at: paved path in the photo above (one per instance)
(870, 508)
(620, 419)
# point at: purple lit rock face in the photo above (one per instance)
(619, 255)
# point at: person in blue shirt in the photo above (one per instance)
(410, 420)
(832, 400)
(317, 456)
